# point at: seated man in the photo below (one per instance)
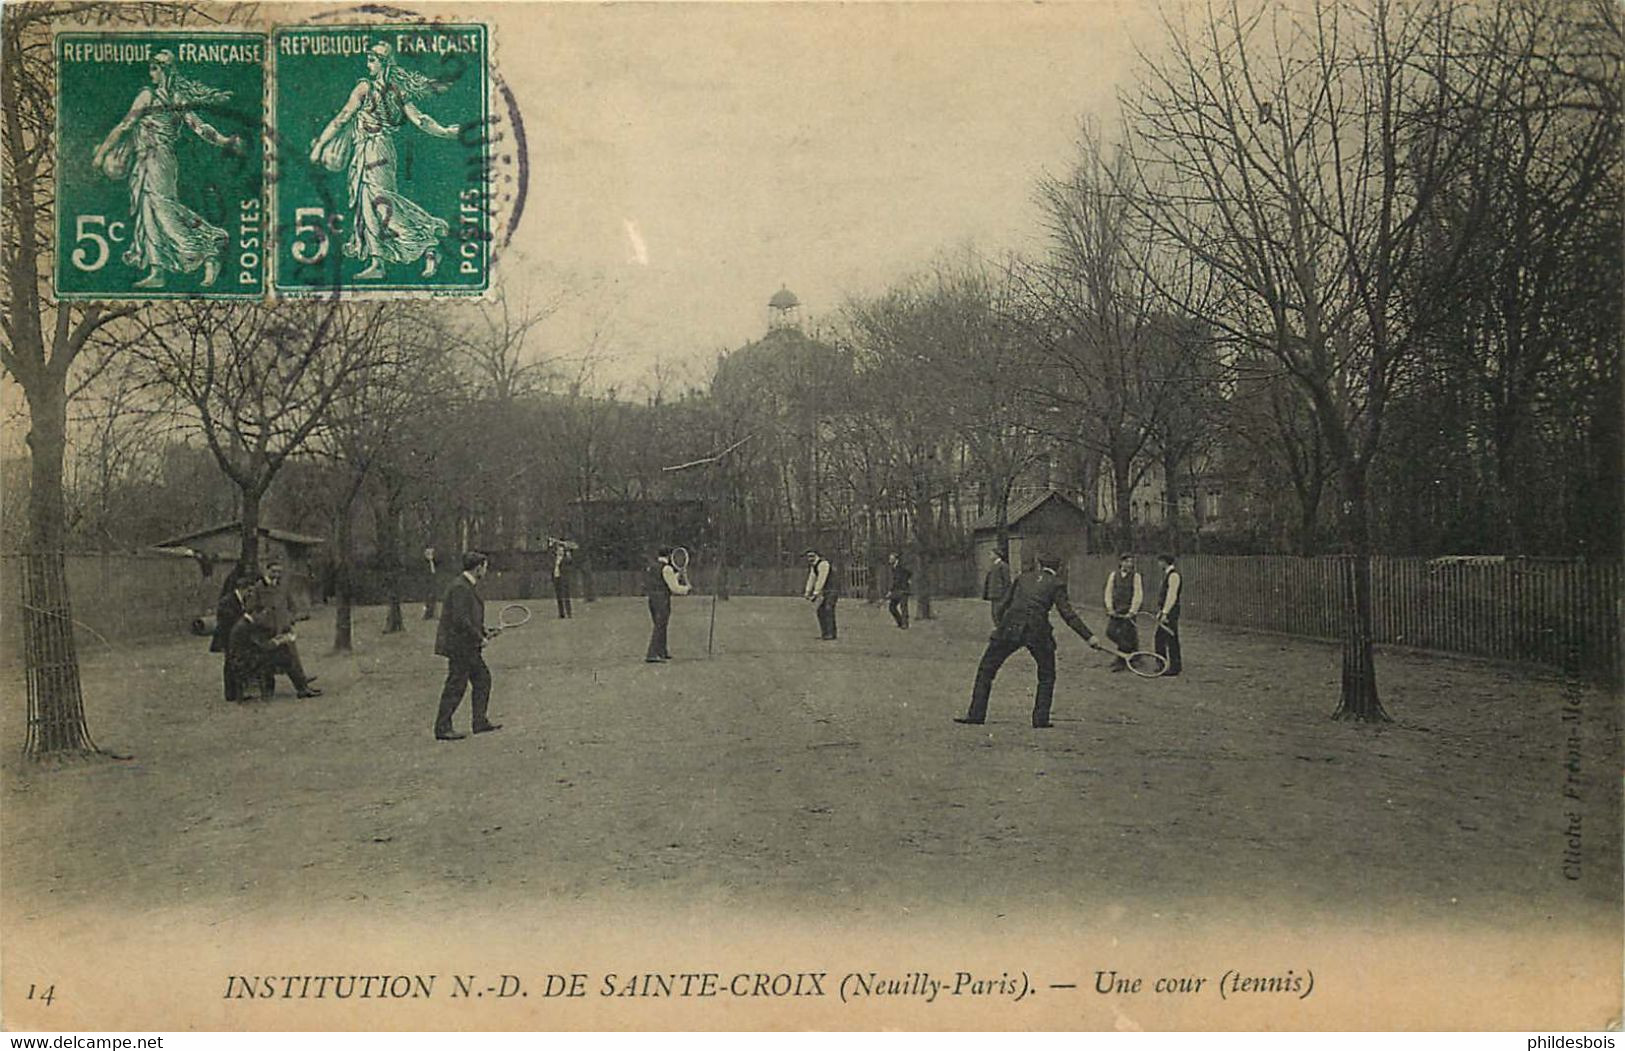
(255, 653)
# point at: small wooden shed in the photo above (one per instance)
(1044, 521)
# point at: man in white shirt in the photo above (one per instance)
(824, 588)
(661, 581)
(1124, 595)
(1168, 615)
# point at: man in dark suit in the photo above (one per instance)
(901, 581)
(256, 652)
(1022, 620)
(227, 612)
(277, 610)
(460, 638)
(996, 583)
(562, 567)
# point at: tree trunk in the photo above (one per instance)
(249, 557)
(1359, 701)
(56, 710)
(1122, 511)
(922, 575)
(1001, 536)
(343, 616)
(1307, 539)
(389, 537)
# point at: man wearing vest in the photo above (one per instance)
(460, 638)
(1168, 615)
(660, 582)
(1124, 593)
(897, 595)
(1023, 621)
(824, 588)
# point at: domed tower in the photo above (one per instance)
(783, 310)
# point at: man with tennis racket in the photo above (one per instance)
(1168, 615)
(824, 588)
(1124, 593)
(662, 580)
(460, 638)
(1022, 621)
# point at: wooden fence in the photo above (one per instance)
(1562, 613)
(1558, 612)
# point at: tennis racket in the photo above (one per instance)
(1150, 620)
(1141, 662)
(513, 615)
(679, 562)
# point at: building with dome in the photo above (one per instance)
(783, 310)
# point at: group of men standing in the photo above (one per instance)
(253, 629)
(1021, 612)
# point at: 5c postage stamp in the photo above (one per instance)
(160, 165)
(381, 166)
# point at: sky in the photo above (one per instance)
(688, 160)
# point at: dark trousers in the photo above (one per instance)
(260, 669)
(460, 671)
(561, 591)
(1168, 643)
(286, 660)
(1124, 635)
(826, 615)
(898, 607)
(997, 652)
(660, 613)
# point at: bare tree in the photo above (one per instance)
(1538, 200)
(257, 382)
(405, 375)
(1295, 155)
(1110, 318)
(45, 341)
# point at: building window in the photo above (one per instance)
(1210, 505)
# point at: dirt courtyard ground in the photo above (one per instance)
(825, 781)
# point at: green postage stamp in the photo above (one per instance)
(381, 165)
(160, 165)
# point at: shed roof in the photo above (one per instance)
(1023, 507)
(284, 536)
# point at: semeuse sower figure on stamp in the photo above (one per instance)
(360, 139)
(165, 235)
(1022, 620)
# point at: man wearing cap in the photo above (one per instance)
(1022, 620)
